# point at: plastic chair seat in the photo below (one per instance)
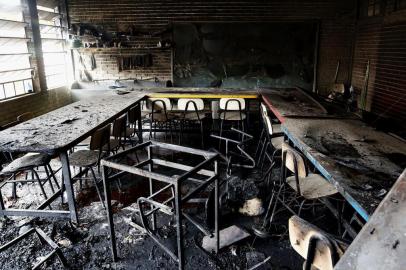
(232, 116)
(84, 158)
(27, 162)
(312, 186)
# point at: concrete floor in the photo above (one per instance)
(86, 246)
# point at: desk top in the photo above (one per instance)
(62, 128)
(292, 102)
(381, 242)
(211, 93)
(361, 162)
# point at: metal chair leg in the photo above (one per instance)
(14, 191)
(41, 186)
(53, 176)
(49, 179)
(97, 187)
(202, 133)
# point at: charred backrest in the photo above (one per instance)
(291, 156)
(100, 138)
(119, 127)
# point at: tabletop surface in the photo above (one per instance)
(199, 90)
(361, 162)
(292, 102)
(66, 126)
(381, 242)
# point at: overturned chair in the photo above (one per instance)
(241, 145)
(168, 199)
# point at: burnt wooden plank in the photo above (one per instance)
(361, 162)
(292, 102)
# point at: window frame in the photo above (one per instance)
(27, 82)
(61, 35)
(34, 53)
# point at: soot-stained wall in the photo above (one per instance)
(336, 20)
(244, 54)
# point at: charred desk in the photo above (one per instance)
(360, 162)
(55, 133)
(381, 240)
(292, 103)
(203, 174)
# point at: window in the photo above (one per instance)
(370, 8)
(53, 38)
(15, 66)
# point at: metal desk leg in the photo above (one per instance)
(107, 195)
(179, 229)
(216, 209)
(139, 117)
(68, 186)
(151, 188)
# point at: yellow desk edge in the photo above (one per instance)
(201, 95)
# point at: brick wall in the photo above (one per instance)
(336, 26)
(106, 63)
(38, 103)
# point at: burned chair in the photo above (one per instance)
(270, 141)
(192, 114)
(29, 163)
(202, 176)
(232, 110)
(118, 135)
(160, 118)
(242, 157)
(87, 159)
(319, 248)
(45, 239)
(134, 121)
(295, 190)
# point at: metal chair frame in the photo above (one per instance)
(225, 113)
(282, 194)
(265, 141)
(99, 145)
(240, 144)
(184, 121)
(134, 119)
(119, 133)
(167, 124)
(34, 178)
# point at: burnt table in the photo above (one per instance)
(55, 133)
(361, 162)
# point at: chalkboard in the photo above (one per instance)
(244, 55)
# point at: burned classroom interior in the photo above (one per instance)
(217, 134)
